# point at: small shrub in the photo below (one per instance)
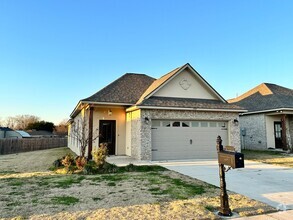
(57, 163)
(80, 162)
(100, 155)
(68, 160)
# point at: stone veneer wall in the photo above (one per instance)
(255, 126)
(136, 134)
(142, 146)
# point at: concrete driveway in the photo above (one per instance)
(266, 183)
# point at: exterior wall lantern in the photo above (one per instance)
(236, 122)
(147, 120)
(109, 112)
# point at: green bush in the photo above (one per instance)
(100, 155)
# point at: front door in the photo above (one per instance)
(108, 134)
(278, 134)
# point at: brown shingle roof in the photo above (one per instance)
(127, 89)
(266, 96)
(188, 103)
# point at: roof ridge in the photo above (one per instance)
(263, 89)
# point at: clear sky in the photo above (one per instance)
(55, 52)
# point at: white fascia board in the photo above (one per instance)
(75, 109)
(270, 110)
(107, 103)
(188, 109)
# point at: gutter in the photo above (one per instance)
(279, 110)
(187, 109)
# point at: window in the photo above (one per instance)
(166, 124)
(213, 124)
(176, 124)
(195, 124)
(204, 124)
(185, 124)
(156, 123)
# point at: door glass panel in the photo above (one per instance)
(185, 124)
(166, 124)
(213, 124)
(195, 124)
(176, 124)
(156, 123)
(204, 124)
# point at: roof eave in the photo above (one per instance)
(268, 111)
(185, 108)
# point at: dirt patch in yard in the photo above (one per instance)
(129, 195)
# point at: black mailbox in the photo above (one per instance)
(232, 159)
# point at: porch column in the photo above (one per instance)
(284, 136)
(90, 133)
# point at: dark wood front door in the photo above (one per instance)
(278, 134)
(108, 134)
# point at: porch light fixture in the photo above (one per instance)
(109, 112)
(146, 120)
(235, 121)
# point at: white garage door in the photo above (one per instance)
(177, 140)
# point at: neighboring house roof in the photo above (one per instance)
(5, 129)
(39, 133)
(23, 133)
(188, 103)
(126, 90)
(264, 97)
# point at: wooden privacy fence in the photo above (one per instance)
(10, 146)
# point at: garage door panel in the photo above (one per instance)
(186, 142)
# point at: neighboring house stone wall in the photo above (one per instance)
(255, 127)
(142, 147)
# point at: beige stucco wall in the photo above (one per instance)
(73, 143)
(141, 136)
(270, 129)
(118, 114)
(196, 89)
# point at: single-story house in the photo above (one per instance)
(268, 123)
(177, 116)
(6, 132)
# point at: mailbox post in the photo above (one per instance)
(233, 160)
(224, 199)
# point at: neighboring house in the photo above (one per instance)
(177, 116)
(23, 134)
(6, 132)
(269, 120)
(40, 134)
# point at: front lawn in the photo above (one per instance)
(270, 157)
(145, 193)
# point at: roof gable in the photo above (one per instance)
(265, 97)
(182, 82)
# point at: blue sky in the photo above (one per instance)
(54, 53)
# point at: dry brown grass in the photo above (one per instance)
(270, 157)
(142, 195)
